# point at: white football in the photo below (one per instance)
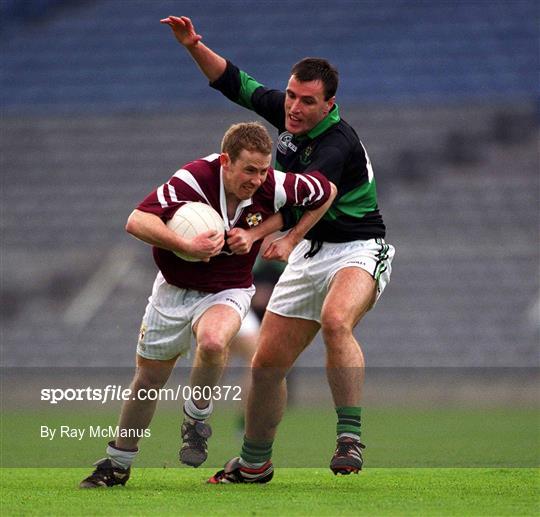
(192, 219)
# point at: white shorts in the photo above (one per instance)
(171, 312)
(250, 324)
(302, 288)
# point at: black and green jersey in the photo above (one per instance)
(332, 147)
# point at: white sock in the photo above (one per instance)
(192, 411)
(121, 458)
(349, 435)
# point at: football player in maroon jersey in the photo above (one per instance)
(209, 298)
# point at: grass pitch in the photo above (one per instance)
(439, 461)
(294, 491)
(402, 437)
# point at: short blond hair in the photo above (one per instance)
(251, 136)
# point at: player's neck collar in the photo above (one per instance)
(229, 223)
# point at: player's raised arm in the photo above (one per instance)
(211, 64)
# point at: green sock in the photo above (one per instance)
(256, 452)
(349, 420)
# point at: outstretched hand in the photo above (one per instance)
(183, 30)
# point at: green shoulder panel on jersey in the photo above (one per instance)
(247, 86)
(356, 203)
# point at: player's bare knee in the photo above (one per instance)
(263, 373)
(262, 360)
(149, 380)
(335, 326)
(265, 354)
(210, 344)
(152, 373)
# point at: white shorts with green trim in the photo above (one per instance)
(171, 312)
(302, 288)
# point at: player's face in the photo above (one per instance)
(305, 105)
(246, 174)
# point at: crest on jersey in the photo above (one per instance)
(142, 333)
(306, 153)
(254, 219)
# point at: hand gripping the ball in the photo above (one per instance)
(205, 245)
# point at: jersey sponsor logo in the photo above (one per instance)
(284, 143)
(254, 219)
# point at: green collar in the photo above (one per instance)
(327, 122)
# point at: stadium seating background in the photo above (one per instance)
(100, 105)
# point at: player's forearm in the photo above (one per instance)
(311, 217)
(212, 65)
(151, 229)
(271, 225)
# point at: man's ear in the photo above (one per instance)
(224, 159)
(330, 104)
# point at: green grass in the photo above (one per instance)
(394, 438)
(153, 491)
(444, 461)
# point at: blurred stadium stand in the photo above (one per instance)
(100, 105)
(114, 56)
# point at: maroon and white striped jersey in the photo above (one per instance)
(201, 180)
